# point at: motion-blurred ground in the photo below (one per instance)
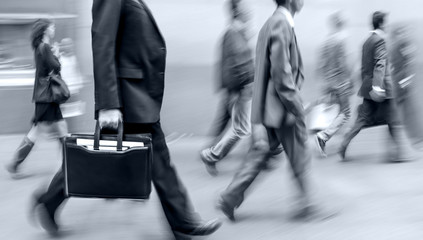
(373, 200)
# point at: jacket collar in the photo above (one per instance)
(287, 14)
(379, 32)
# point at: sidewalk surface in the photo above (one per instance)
(374, 200)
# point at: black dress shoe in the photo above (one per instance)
(203, 229)
(46, 218)
(226, 209)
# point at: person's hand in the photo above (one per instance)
(290, 119)
(377, 94)
(259, 137)
(109, 118)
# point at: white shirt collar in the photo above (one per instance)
(341, 35)
(379, 32)
(288, 15)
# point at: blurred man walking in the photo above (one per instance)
(129, 56)
(377, 91)
(334, 70)
(278, 106)
(237, 75)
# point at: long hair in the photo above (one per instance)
(38, 31)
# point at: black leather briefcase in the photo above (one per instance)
(122, 170)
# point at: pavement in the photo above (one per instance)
(372, 200)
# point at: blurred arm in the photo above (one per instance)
(380, 66)
(50, 60)
(322, 61)
(281, 70)
(406, 74)
(106, 17)
(342, 59)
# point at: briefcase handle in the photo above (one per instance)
(97, 136)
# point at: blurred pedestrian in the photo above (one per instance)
(278, 106)
(336, 75)
(129, 56)
(72, 76)
(403, 57)
(48, 117)
(377, 91)
(237, 75)
(70, 66)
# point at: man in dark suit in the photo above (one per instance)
(377, 90)
(278, 106)
(129, 56)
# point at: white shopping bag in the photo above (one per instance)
(321, 116)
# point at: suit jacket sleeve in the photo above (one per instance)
(106, 17)
(322, 61)
(342, 59)
(406, 50)
(281, 70)
(380, 63)
(227, 60)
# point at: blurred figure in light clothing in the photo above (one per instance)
(237, 75)
(403, 55)
(48, 117)
(71, 74)
(336, 75)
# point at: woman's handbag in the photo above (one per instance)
(321, 116)
(52, 90)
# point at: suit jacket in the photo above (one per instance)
(278, 74)
(129, 55)
(45, 62)
(375, 66)
(237, 65)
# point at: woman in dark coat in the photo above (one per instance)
(48, 118)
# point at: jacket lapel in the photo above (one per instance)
(297, 61)
(147, 10)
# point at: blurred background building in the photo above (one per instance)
(192, 29)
